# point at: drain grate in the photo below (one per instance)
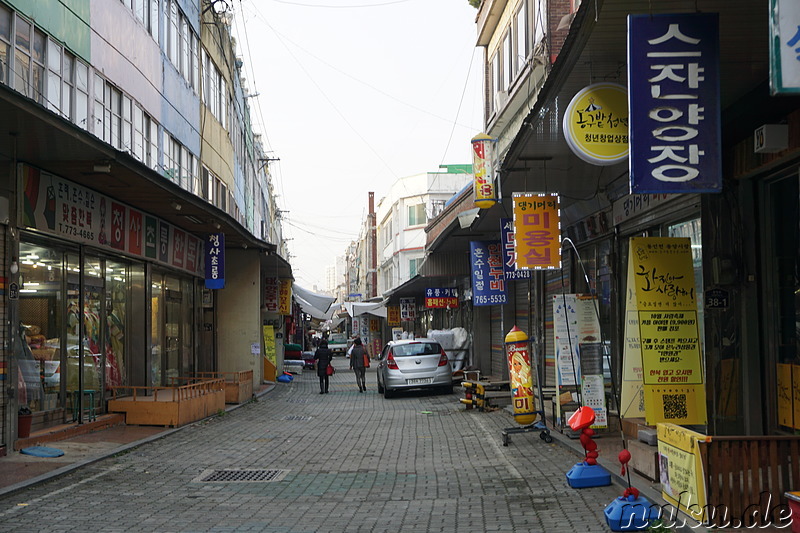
(296, 417)
(240, 475)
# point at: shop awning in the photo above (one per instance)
(321, 302)
(360, 308)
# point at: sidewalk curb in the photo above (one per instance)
(67, 469)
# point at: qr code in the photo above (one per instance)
(674, 406)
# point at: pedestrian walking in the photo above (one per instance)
(323, 358)
(358, 363)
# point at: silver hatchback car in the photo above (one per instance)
(414, 364)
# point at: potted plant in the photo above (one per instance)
(24, 419)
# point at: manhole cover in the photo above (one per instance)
(240, 475)
(296, 417)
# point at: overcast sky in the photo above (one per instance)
(352, 95)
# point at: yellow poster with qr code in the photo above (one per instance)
(669, 334)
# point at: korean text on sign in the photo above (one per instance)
(488, 279)
(673, 79)
(537, 231)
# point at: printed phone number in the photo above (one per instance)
(74, 231)
(491, 299)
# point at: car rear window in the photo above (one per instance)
(417, 348)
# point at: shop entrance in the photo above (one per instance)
(172, 305)
(75, 324)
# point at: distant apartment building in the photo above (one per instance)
(402, 215)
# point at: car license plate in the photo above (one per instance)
(420, 381)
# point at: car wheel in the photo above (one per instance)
(388, 393)
(380, 388)
(447, 389)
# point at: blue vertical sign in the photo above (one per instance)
(673, 101)
(488, 279)
(509, 253)
(215, 261)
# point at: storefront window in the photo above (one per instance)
(784, 329)
(41, 315)
(172, 312)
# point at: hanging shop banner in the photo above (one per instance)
(271, 295)
(393, 315)
(483, 171)
(669, 335)
(488, 280)
(680, 469)
(537, 231)
(270, 353)
(60, 207)
(509, 253)
(215, 261)
(441, 298)
(596, 124)
(285, 297)
(673, 84)
(784, 71)
(407, 309)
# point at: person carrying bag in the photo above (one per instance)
(359, 360)
(323, 357)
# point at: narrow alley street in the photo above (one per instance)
(344, 461)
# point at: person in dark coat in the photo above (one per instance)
(357, 364)
(323, 358)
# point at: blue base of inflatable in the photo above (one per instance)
(582, 476)
(630, 514)
(42, 451)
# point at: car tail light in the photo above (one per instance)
(443, 358)
(391, 363)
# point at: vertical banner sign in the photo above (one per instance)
(285, 297)
(632, 389)
(441, 298)
(673, 96)
(393, 315)
(668, 331)
(596, 124)
(784, 71)
(407, 309)
(483, 171)
(574, 323)
(215, 261)
(488, 280)
(271, 295)
(680, 468)
(270, 354)
(509, 253)
(537, 231)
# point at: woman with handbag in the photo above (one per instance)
(323, 358)
(359, 361)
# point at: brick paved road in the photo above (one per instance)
(353, 462)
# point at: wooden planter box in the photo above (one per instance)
(238, 385)
(169, 406)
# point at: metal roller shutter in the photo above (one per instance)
(497, 339)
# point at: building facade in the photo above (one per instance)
(130, 147)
